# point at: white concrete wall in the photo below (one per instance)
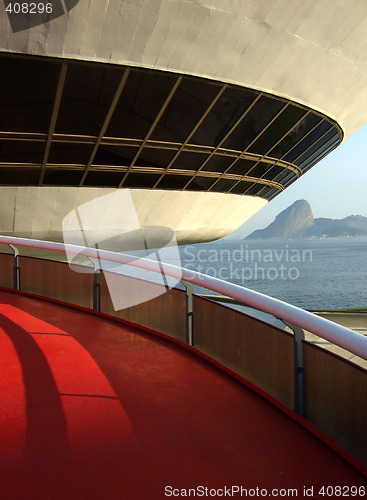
(37, 212)
(312, 51)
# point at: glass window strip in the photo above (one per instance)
(306, 162)
(153, 125)
(317, 147)
(198, 124)
(263, 131)
(234, 127)
(332, 144)
(106, 122)
(321, 137)
(285, 120)
(248, 146)
(314, 120)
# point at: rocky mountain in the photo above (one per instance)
(297, 221)
(292, 222)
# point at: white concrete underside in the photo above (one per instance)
(37, 212)
(314, 51)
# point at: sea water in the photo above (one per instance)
(313, 274)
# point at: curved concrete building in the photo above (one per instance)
(204, 110)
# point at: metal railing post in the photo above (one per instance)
(16, 268)
(97, 290)
(189, 312)
(299, 369)
(96, 285)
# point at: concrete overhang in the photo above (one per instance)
(314, 52)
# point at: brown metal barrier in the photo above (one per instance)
(260, 352)
(56, 280)
(165, 313)
(336, 395)
(6, 270)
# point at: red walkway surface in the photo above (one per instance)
(94, 409)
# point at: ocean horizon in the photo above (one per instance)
(312, 274)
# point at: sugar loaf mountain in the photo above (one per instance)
(297, 221)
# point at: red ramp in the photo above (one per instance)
(95, 409)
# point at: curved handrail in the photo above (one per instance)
(337, 334)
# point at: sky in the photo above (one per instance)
(335, 187)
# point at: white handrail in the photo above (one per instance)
(354, 342)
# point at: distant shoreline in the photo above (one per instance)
(306, 238)
(295, 238)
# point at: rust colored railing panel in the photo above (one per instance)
(56, 280)
(260, 352)
(165, 313)
(336, 396)
(6, 266)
